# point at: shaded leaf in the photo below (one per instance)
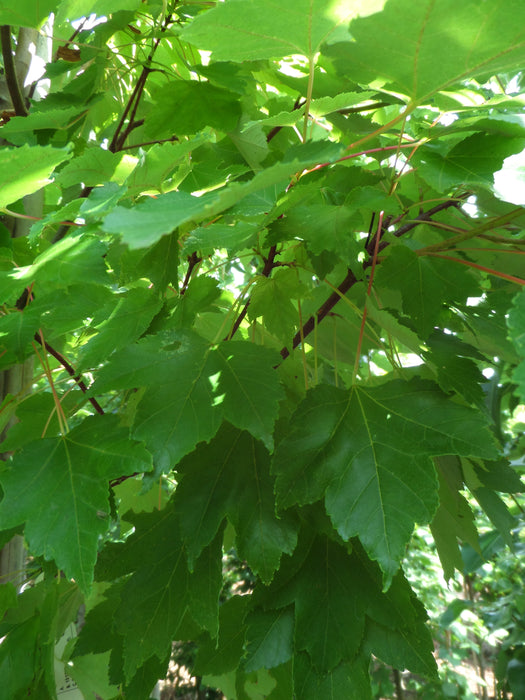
(425, 284)
(223, 655)
(230, 477)
(516, 326)
(348, 680)
(403, 649)
(26, 13)
(453, 520)
(93, 167)
(131, 315)
(368, 459)
(156, 556)
(269, 638)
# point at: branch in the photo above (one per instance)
(276, 129)
(121, 134)
(11, 78)
(421, 219)
(193, 260)
(269, 264)
(351, 279)
(70, 370)
(321, 312)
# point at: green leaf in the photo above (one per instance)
(348, 680)
(36, 417)
(187, 106)
(271, 299)
(418, 50)
(73, 472)
(402, 649)
(324, 227)
(497, 512)
(516, 326)
(19, 129)
(131, 316)
(201, 294)
(235, 469)
(147, 222)
(156, 555)
(335, 612)
(75, 9)
(471, 163)
(72, 260)
(234, 237)
(180, 409)
(93, 167)
(453, 519)
(90, 673)
(425, 284)
(8, 598)
(248, 386)
(222, 655)
(18, 659)
(160, 264)
(26, 13)
(367, 451)
(499, 476)
(269, 638)
(192, 388)
(255, 29)
(157, 164)
(27, 169)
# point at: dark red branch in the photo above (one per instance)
(421, 219)
(70, 370)
(299, 102)
(351, 279)
(193, 260)
(321, 312)
(269, 264)
(121, 133)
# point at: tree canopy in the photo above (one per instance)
(272, 291)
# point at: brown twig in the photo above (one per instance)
(70, 370)
(351, 279)
(299, 102)
(269, 264)
(11, 78)
(121, 133)
(421, 219)
(193, 260)
(148, 143)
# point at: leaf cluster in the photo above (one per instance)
(274, 302)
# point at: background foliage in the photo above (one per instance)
(274, 298)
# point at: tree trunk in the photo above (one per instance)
(18, 380)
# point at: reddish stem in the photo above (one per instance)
(489, 270)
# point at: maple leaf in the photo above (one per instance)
(73, 471)
(366, 453)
